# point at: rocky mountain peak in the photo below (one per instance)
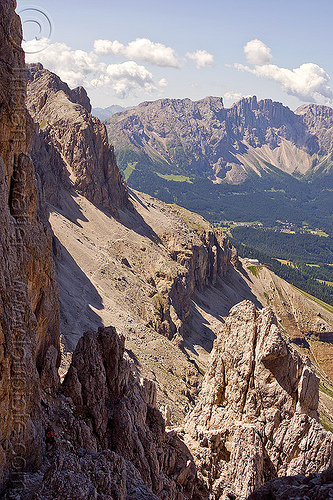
(48, 81)
(246, 104)
(256, 417)
(70, 143)
(204, 139)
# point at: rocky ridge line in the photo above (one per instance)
(205, 139)
(72, 142)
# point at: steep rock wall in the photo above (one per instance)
(29, 314)
(202, 255)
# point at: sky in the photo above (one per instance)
(125, 52)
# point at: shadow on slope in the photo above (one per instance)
(211, 305)
(79, 300)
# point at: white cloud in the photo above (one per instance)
(257, 52)
(106, 47)
(141, 49)
(163, 82)
(73, 66)
(233, 96)
(202, 58)
(125, 78)
(309, 82)
(77, 67)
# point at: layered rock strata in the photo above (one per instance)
(29, 313)
(256, 417)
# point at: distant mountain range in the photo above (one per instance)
(104, 113)
(195, 153)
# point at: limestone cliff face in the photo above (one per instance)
(319, 122)
(75, 143)
(29, 313)
(202, 255)
(256, 417)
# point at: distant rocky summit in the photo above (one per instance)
(104, 113)
(202, 138)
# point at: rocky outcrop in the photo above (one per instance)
(256, 417)
(313, 487)
(115, 410)
(29, 313)
(202, 255)
(92, 475)
(319, 122)
(70, 146)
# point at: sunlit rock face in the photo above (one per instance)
(252, 139)
(70, 145)
(256, 417)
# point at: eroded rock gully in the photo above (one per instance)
(256, 417)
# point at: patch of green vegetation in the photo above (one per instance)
(326, 390)
(286, 262)
(318, 301)
(328, 283)
(42, 124)
(174, 177)
(129, 170)
(328, 426)
(304, 247)
(254, 270)
(311, 280)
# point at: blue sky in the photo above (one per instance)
(186, 48)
